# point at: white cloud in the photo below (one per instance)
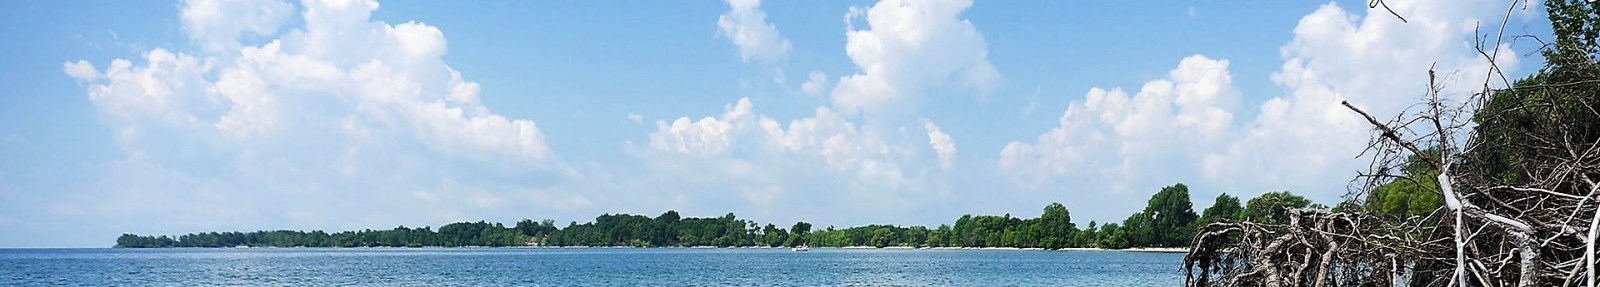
(868, 167)
(941, 143)
(1306, 139)
(1184, 125)
(909, 46)
(342, 117)
(780, 170)
(217, 25)
(1121, 136)
(81, 70)
(746, 25)
(815, 83)
(344, 121)
(826, 135)
(708, 136)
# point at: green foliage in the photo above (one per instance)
(1576, 25)
(1165, 222)
(772, 236)
(1111, 236)
(883, 237)
(1135, 231)
(1054, 227)
(1515, 126)
(1085, 237)
(136, 241)
(1403, 198)
(1226, 207)
(1272, 207)
(938, 237)
(536, 230)
(1171, 215)
(454, 234)
(800, 231)
(1416, 193)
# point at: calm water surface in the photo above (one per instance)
(584, 267)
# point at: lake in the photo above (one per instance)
(584, 267)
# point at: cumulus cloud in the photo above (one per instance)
(1304, 140)
(1118, 136)
(783, 169)
(707, 136)
(909, 46)
(758, 41)
(826, 135)
(217, 25)
(342, 117)
(872, 166)
(941, 143)
(815, 83)
(81, 70)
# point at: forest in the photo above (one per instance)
(1169, 209)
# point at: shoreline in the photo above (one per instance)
(1135, 249)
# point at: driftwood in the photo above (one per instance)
(1519, 172)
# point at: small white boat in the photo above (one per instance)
(801, 248)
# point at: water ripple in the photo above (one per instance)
(582, 267)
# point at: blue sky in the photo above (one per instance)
(165, 118)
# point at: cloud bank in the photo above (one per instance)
(837, 161)
(1184, 127)
(313, 115)
(343, 117)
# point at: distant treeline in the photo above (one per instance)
(1168, 220)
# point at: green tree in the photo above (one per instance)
(666, 234)
(963, 233)
(1055, 226)
(915, 236)
(1414, 194)
(1225, 207)
(772, 236)
(939, 237)
(798, 233)
(883, 237)
(1171, 215)
(1111, 236)
(1085, 237)
(1272, 207)
(1135, 231)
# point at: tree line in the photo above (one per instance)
(1168, 220)
(450, 235)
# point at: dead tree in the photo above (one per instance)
(1518, 169)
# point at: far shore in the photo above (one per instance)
(903, 247)
(1137, 249)
(1143, 249)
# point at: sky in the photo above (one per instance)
(170, 118)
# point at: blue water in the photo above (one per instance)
(584, 267)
